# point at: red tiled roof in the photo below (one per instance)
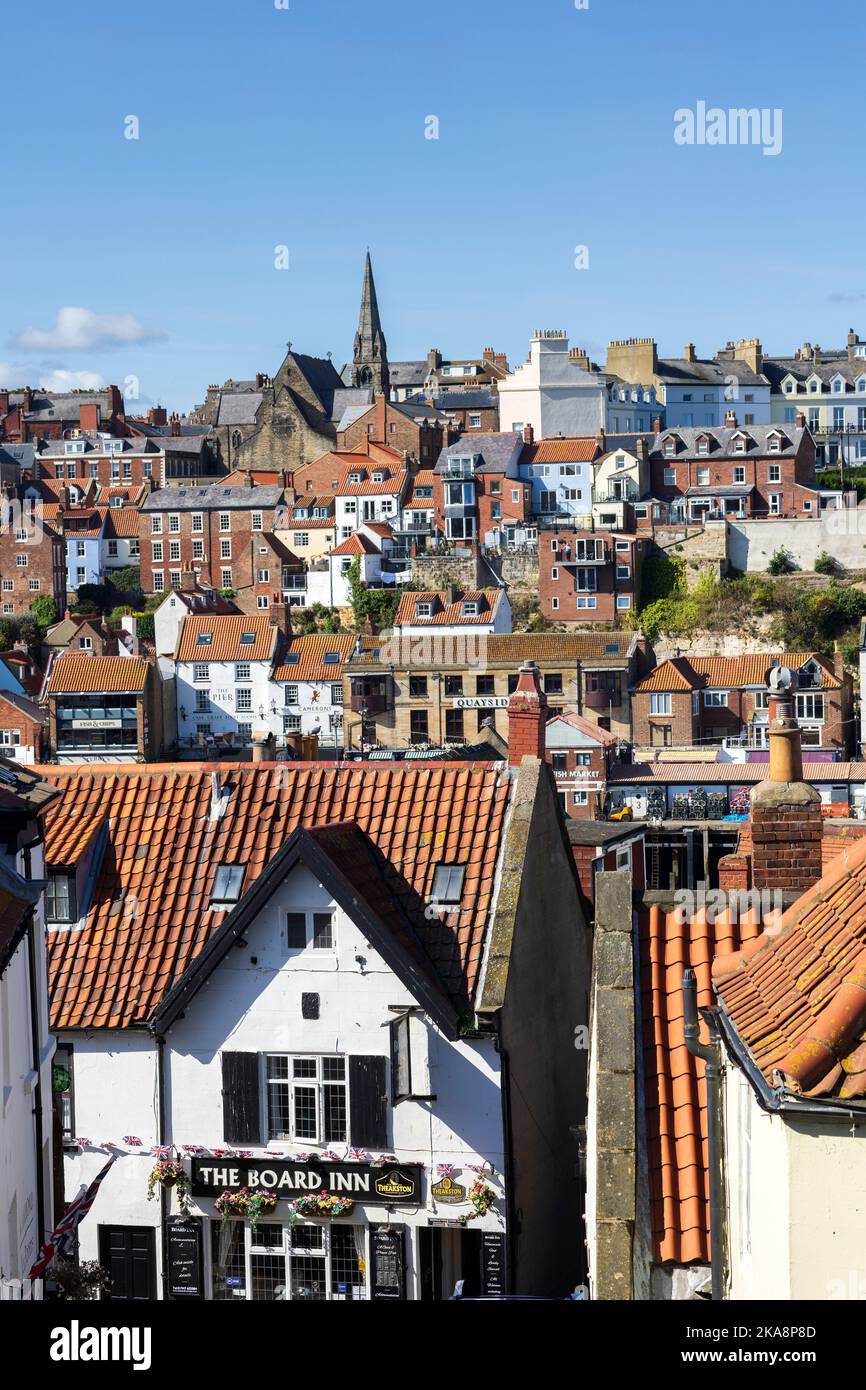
(423, 478)
(163, 853)
(392, 483)
(447, 613)
(574, 450)
(585, 726)
(76, 674)
(226, 631)
(356, 544)
(728, 672)
(797, 995)
(310, 652)
(675, 1090)
(122, 522)
(732, 774)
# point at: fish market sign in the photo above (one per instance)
(290, 1178)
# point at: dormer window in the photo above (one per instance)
(789, 388)
(354, 478)
(703, 445)
(378, 476)
(774, 444)
(669, 448)
(75, 446)
(424, 609)
(739, 445)
(470, 608)
(861, 383)
(838, 384)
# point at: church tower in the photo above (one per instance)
(370, 364)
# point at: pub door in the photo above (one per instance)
(129, 1255)
(445, 1256)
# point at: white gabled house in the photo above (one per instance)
(360, 980)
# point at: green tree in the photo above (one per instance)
(780, 562)
(44, 610)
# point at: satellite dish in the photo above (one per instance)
(780, 678)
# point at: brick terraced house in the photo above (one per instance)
(737, 471)
(32, 561)
(212, 531)
(697, 701)
(588, 575)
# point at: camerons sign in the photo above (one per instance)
(390, 1183)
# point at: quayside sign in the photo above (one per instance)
(289, 1178)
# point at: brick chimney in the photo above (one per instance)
(157, 415)
(88, 417)
(278, 615)
(187, 582)
(786, 826)
(800, 420)
(527, 716)
(528, 434)
(657, 425)
(689, 352)
(601, 441)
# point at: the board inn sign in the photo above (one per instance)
(388, 1183)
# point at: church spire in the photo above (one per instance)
(370, 364)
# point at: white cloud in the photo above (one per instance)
(77, 329)
(49, 379)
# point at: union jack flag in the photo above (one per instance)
(161, 1150)
(384, 1158)
(359, 1155)
(446, 1170)
(328, 1155)
(68, 1224)
(132, 1140)
(192, 1148)
(82, 1143)
(243, 1153)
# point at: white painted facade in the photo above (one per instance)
(241, 699)
(706, 403)
(499, 621)
(796, 1197)
(352, 510)
(252, 1004)
(556, 395)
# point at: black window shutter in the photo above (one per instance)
(368, 1103)
(241, 1113)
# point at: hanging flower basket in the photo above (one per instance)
(245, 1205)
(319, 1204)
(168, 1173)
(482, 1197)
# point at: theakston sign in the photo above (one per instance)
(291, 1178)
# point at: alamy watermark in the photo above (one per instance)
(734, 906)
(737, 126)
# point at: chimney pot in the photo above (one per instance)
(527, 717)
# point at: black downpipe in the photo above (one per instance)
(32, 971)
(508, 1145)
(164, 1194)
(709, 1054)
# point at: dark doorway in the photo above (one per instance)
(129, 1255)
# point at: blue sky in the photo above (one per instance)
(305, 127)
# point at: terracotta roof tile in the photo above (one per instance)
(225, 641)
(574, 450)
(77, 674)
(447, 614)
(163, 854)
(798, 1001)
(728, 673)
(675, 1092)
(305, 658)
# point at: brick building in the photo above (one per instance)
(579, 753)
(587, 575)
(32, 561)
(749, 470)
(430, 690)
(23, 728)
(123, 467)
(212, 531)
(412, 428)
(32, 415)
(705, 700)
(469, 411)
(479, 493)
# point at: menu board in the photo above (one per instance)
(389, 1264)
(493, 1262)
(185, 1276)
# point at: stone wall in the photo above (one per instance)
(842, 534)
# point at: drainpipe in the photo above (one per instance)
(36, 1045)
(709, 1054)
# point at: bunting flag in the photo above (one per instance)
(359, 1155)
(446, 1170)
(133, 1141)
(69, 1223)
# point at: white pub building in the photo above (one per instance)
(353, 989)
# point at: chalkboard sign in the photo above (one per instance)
(185, 1275)
(389, 1268)
(493, 1262)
